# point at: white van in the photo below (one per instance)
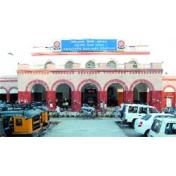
(131, 112)
(163, 127)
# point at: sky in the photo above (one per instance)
(25, 24)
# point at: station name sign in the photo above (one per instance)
(88, 45)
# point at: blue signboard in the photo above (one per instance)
(88, 45)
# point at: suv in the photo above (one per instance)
(163, 127)
(131, 112)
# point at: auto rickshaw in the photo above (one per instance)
(22, 123)
(45, 120)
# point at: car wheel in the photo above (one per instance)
(147, 133)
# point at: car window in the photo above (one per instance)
(132, 109)
(142, 110)
(156, 126)
(170, 128)
(152, 110)
(146, 117)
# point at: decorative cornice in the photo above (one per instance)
(91, 71)
(9, 80)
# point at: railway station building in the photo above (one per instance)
(92, 81)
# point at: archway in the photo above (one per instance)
(169, 96)
(63, 94)
(3, 94)
(89, 95)
(38, 93)
(13, 94)
(141, 93)
(115, 95)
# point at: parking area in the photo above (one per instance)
(83, 127)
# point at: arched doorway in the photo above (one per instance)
(3, 94)
(38, 92)
(169, 96)
(89, 94)
(115, 95)
(13, 95)
(141, 93)
(63, 93)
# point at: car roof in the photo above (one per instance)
(162, 114)
(27, 113)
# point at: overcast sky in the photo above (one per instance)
(24, 24)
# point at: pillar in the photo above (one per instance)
(24, 96)
(51, 97)
(8, 97)
(76, 101)
(128, 97)
(102, 96)
(157, 99)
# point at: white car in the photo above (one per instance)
(143, 125)
(163, 127)
(131, 112)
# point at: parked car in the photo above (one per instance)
(163, 127)
(169, 110)
(131, 112)
(143, 125)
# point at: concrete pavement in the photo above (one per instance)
(76, 127)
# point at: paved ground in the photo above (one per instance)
(129, 131)
(76, 127)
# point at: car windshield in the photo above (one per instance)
(156, 126)
(146, 117)
(170, 128)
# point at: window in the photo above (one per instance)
(47, 64)
(146, 117)
(142, 110)
(90, 64)
(133, 109)
(134, 64)
(18, 122)
(156, 126)
(111, 64)
(69, 64)
(152, 110)
(170, 128)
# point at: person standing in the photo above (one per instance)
(102, 108)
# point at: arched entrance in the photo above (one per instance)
(38, 93)
(141, 93)
(89, 94)
(13, 95)
(3, 94)
(115, 95)
(63, 94)
(169, 96)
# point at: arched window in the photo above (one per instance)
(49, 64)
(69, 64)
(90, 64)
(134, 64)
(111, 64)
